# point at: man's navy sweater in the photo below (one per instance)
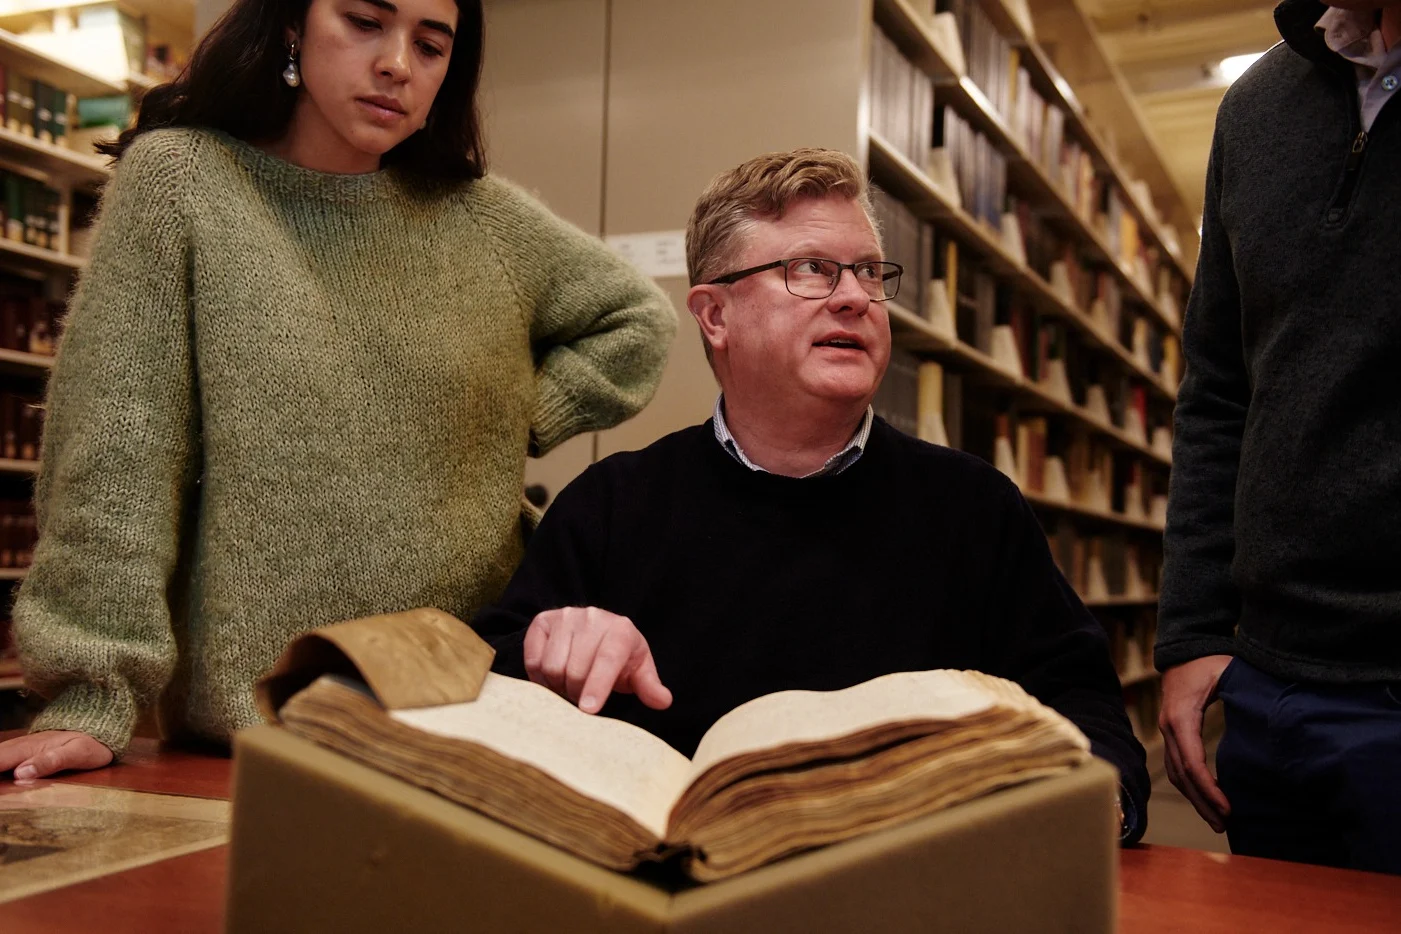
(1285, 507)
(745, 583)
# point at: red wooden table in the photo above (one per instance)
(1162, 889)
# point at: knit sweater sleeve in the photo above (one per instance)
(1199, 604)
(601, 330)
(563, 566)
(1041, 636)
(92, 620)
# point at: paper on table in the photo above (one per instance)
(54, 834)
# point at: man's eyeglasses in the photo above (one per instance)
(814, 277)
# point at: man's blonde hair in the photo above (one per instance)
(763, 188)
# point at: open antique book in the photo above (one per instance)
(782, 773)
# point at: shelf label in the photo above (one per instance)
(659, 254)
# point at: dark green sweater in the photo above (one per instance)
(285, 398)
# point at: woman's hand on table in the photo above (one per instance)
(41, 754)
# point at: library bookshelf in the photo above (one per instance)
(1053, 336)
(50, 180)
(1042, 331)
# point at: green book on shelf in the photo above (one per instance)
(14, 207)
(104, 111)
(61, 101)
(42, 115)
(19, 102)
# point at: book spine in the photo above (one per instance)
(43, 113)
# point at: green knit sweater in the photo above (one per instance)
(285, 398)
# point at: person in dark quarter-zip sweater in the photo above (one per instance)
(1282, 581)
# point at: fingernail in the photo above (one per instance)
(588, 703)
(25, 772)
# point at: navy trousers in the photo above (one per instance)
(1312, 771)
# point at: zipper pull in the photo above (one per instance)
(1359, 146)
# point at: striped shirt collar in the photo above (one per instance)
(835, 464)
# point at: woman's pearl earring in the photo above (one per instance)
(292, 74)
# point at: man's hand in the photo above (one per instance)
(585, 654)
(41, 754)
(1187, 691)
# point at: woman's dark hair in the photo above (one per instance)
(234, 83)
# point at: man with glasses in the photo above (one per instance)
(796, 541)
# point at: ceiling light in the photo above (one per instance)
(1235, 66)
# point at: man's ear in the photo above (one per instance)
(709, 305)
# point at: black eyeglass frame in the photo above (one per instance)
(732, 277)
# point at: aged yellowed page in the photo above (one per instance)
(817, 716)
(613, 762)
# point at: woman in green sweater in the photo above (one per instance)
(302, 372)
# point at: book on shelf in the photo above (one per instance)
(1096, 583)
(1162, 440)
(21, 426)
(975, 303)
(953, 409)
(43, 129)
(930, 408)
(1039, 127)
(1129, 493)
(1158, 509)
(50, 114)
(1013, 243)
(1138, 342)
(1131, 639)
(1135, 585)
(19, 532)
(1172, 362)
(1030, 453)
(902, 101)
(1004, 449)
(1091, 474)
(1119, 226)
(28, 321)
(32, 211)
(939, 309)
(62, 119)
(1170, 294)
(945, 265)
(921, 399)
(979, 168)
(1097, 404)
(898, 395)
(9, 662)
(1057, 480)
(783, 773)
(1142, 708)
(907, 241)
(1135, 418)
(990, 58)
(19, 103)
(1005, 355)
(1107, 305)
